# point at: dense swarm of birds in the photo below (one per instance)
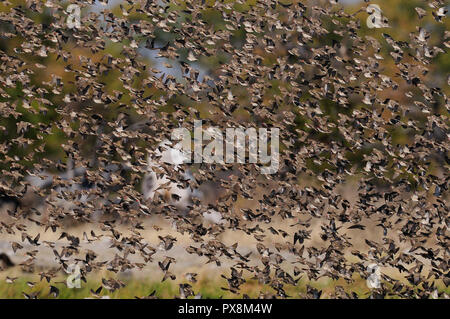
(371, 109)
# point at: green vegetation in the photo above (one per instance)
(207, 287)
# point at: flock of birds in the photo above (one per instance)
(350, 107)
